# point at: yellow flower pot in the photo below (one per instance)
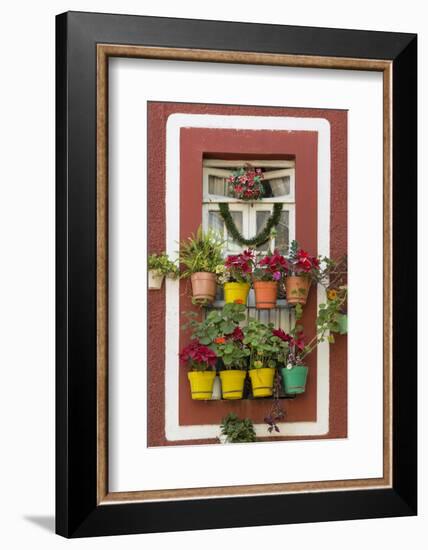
(262, 381)
(232, 383)
(201, 384)
(236, 292)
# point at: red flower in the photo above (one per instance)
(281, 334)
(220, 340)
(198, 353)
(305, 262)
(298, 342)
(274, 262)
(237, 334)
(241, 262)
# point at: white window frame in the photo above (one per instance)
(216, 167)
(236, 207)
(285, 168)
(266, 206)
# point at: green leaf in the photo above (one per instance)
(342, 321)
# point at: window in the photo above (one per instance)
(251, 217)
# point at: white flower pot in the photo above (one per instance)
(216, 389)
(155, 280)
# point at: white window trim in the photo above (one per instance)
(173, 430)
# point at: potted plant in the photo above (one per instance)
(331, 319)
(200, 255)
(266, 276)
(233, 353)
(294, 373)
(235, 430)
(160, 266)
(257, 337)
(201, 360)
(220, 331)
(217, 323)
(301, 268)
(236, 277)
(246, 183)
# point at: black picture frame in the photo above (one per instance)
(77, 511)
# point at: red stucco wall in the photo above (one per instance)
(192, 147)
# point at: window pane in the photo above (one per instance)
(215, 185)
(237, 217)
(215, 222)
(218, 186)
(261, 218)
(282, 239)
(280, 186)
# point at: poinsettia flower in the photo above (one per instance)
(279, 332)
(275, 262)
(237, 334)
(241, 262)
(197, 352)
(305, 262)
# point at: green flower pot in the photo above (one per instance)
(294, 379)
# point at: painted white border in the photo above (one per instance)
(173, 431)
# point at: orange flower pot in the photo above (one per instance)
(297, 289)
(204, 286)
(266, 293)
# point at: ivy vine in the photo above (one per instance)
(261, 237)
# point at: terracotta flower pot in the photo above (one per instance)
(297, 289)
(266, 293)
(155, 279)
(204, 286)
(232, 383)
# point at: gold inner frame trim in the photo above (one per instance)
(104, 51)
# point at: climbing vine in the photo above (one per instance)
(261, 237)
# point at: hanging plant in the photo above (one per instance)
(246, 183)
(261, 237)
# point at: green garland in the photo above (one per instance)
(259, 239)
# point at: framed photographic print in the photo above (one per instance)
(236, 229)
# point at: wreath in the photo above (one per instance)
(261, 237)
(246, 183)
